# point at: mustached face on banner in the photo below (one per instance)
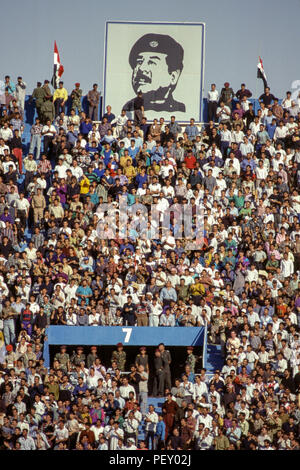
(151, 75)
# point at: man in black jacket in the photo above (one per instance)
(129, 312)
(166, 357)
(158, 384)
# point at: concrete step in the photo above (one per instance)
(214, 359)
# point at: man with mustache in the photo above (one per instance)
(157, 62)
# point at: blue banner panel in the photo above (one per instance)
(130, 336)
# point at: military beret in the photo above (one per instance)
(160, 43)
(119, 345)
(77, 84)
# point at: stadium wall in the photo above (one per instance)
(128, 336)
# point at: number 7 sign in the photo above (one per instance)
(128, 332)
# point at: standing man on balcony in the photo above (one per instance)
(212, 103)
(59, 99)
(93, 98)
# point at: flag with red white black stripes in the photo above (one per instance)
(261, 72)
(58, 69)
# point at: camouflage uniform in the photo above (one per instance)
(47, 111)
(191, 361)
(63, 359)
(120, 358)
(218, 328)
(29, 356)
(76, 359)
(76, 99)
(47, 91)
(91, 359)
(39, 95)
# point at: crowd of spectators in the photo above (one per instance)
(66, 260)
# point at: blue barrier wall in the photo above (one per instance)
(129, 336)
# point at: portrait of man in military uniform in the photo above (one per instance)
(157, 62)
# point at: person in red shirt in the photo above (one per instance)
(190, 160)
(143, 446)
(27, 320)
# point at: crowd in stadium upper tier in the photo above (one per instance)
(242, 169)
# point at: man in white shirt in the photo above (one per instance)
(165, 168)
(26, 442)
(280, 132)
(213, 98)
(151, 420)
(120, 122)
(214, 149)
(76, 170)
(254, 126)
(92, 379)
(155, 187)
(6, 133)
(130, 426)
(286, 266)
(125, 389)
(251, 357)
(3, 147)
(237, 135)
(204, 418)
(155, 309)
(252, 274)
(61, 168)
(235, 163)
(246, 147)
(200, 389)
(162, 206)
(252, 317)
(223, 113)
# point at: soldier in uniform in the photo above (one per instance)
(76, 98)
(92, 356)
(38, 94)
(38, 203)
(157, 62)
(93, 98)
(78, 356)
(166, 357)
(46, 89)
(63, 358)
(191, 359)
(142, 359)
(218, 328)
(47, 110)
(120, 357)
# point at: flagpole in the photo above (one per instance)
(258, 55)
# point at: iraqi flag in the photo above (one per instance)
(58, 69)
(261, 73)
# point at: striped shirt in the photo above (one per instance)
(44, 166)
(36, 129)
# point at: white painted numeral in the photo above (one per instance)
(128, 332)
